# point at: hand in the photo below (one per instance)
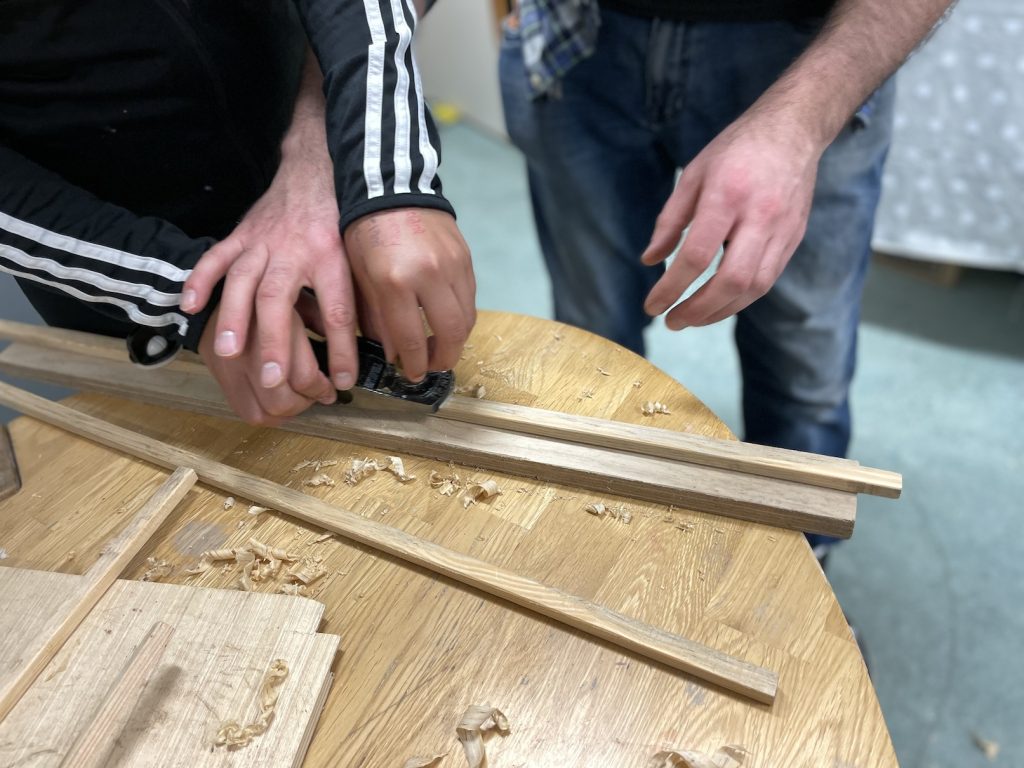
(404, 259)
(241, 376)
(751, 189)
(288, 241)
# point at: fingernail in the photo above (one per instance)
(270, 375)
(654, 309)
(344, 381)
(188, 300)
(328, 399)
(226, 344)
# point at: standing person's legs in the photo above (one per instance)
(597, 177)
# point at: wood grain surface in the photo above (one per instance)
(419, 649)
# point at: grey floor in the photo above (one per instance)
(934, 581)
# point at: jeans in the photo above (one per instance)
(602, 160)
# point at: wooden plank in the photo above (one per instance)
(10, 478)
(825, 471)
(94, 744)
(223, 642)
(116, 555)
(602, 470)
(681, 654)
(764, 461)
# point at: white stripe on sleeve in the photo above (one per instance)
(374, 100)
(427, 150)
(403, 162)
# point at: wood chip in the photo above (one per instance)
(247, 560)
(726, 757)
(322, 479)
(586, 394)
(477, 390)
(446, 484)
(602, 371)
(306, 572)
(229, 502)
(989, 748)
(256, 510)
(322, 537)
(315, 464)
(360, 469)
(652, 407)
(478, 720)
(597, 509)
(397, 468)
(619, 512)
(637, 384)
(476, 491)
(158, 569)
(208, 558)
(266, 552)
(292, 589)
(234, 736)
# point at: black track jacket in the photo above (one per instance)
(135, 133)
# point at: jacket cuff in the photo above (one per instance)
(388, 202)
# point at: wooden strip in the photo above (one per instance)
(682, 654)
(601, 470)
(813, 469)
(10, 477)
(92, 749)
(764, 461)
(115, 556)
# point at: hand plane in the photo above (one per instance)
(381, 386)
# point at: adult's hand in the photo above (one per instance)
(751, 189)
(404, 259)
(241, 377)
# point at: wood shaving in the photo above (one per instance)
(478, 720)
(446, 484)
(322, 537)
(637, 384)
(292, 589)
(726, 757)
(3, 553)
(229, 502)
(652, 407)
(234, 736)
(158, 569)
(306, 573)
(247, 560)
(322, 479)
(424, 762)
(256, 510)
(602, 371)
(596, 509)
(619, 512)
(586, 394)
(989, 748)
(315, 464)
(360, 469)
(397, 468)
(261, 550)
(208, 558)
(479, 492)
(477, 390)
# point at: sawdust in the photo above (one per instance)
(158, 569)
(653, 407)
(477, 721)
(726, 757)
(477, 491)
(234, 736)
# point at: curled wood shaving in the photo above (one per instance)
(424, 762)
(446, 484)
(597, 509)
(306, 572)
(158, 569)
(726, 757)
(478, 720)
(234, 736)
(652, 407)
(322, 479)
(256, 510)
(209, 557)
(477, 390)
(229, 502)
(247, 560)
(989, 748)
(360, 470)
(396, 467)
(266, 552)
(619, 512)
(479, 492)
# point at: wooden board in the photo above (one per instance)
(419, 650)
(733, 494)
(10, 480)
(223, 643)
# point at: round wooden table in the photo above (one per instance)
(417, 649)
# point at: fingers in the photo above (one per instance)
(306, 379)
(236, 303)
(708, 231)
(673, 219)
(449, 324)
(336, 300)
(213, 265)
(407, 335)
(275, 306)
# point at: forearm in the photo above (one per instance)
(861, 44)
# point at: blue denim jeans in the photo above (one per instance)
(602, 160)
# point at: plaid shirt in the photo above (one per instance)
(556, 35)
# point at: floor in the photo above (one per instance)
(935, 581)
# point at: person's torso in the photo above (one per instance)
(722, 10)
(172, 108)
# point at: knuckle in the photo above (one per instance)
(413, 345)
(735, 282)
(241, 268)
(695, 259)
(339, 316)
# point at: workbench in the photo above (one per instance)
(418, 649)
